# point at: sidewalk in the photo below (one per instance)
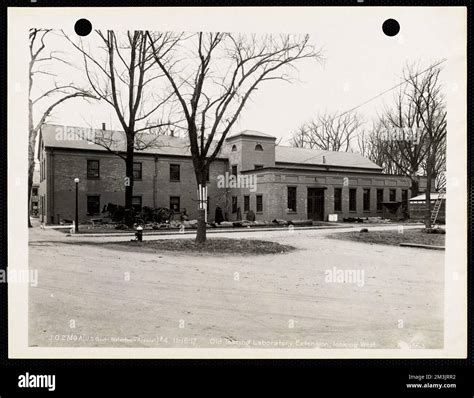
(192, 231)
(36, 234)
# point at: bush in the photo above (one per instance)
(117, 213)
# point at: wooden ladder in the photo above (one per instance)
(437, 206)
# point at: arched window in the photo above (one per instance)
(258, 147)
(234, 148)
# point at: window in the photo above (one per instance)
(259, 203)
(291, 200)
(379, 199)
(174, 172)
(208, 204)
(34, 191)
(337, 199)
(93, 169)
(234, 204)
(352, 199)
(137, 203)
(246, 203)
(258, 166)
(234, 170)
(174, 203)
(258, 147)
(137, 170)
(234, 148)
(93, 205)
(393, 195)
(366, 199)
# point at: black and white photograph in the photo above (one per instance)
(238, 183)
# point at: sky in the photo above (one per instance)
(360, 62)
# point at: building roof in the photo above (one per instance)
(251, 133)
(433, 196)
(58, 136)
(68, 137)
(303, 156)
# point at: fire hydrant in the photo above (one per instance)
(139, 234)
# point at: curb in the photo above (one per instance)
(418, 245)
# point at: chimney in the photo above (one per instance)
(324, 159)
(103, 126)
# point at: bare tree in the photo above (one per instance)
(405, 152)
(440, 167)
(213, 76)
(371, 145)
(123, 74)
(42, 105)
(410, 137)
(299, 138)
(328, 132)
(430, 107)
(376, 145)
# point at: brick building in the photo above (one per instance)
(291, 183)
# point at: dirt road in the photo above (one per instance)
(328, 293)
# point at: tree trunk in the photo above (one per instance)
(32, 132)
(429, 175)
(129, 174)
(29, 201)
(31, 169)
(129, 219)
(201, 227)
(415, 186)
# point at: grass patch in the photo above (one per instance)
(393, 238)
(211, 246)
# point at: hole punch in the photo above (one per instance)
(391, 27)
(83, 27)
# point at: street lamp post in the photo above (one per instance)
(76, 223)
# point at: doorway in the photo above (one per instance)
(316, 204)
